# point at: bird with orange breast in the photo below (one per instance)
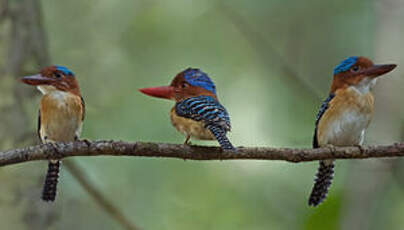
(345, 114)
(197, 112)
(61, 115)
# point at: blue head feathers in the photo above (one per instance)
(64, 70)
(345, 65)
(196, 77)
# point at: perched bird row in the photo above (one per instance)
(197, 113)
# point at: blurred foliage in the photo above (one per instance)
(116, 47)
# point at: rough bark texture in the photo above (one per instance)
(145, 149)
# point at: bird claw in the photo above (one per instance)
(187, 142)
(54, 145)
(361, 149)
(87, 141)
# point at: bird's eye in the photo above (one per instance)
(58, 75)
(184, 85)
(355, 69)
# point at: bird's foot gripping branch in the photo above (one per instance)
(147, 149)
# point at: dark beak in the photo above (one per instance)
(37, 79)
(378, 70)
(166, 92)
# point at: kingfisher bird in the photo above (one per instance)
(61, 115)
(345, 114)
(197, 112)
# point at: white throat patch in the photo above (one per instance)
(365, 85)
(57, 95)
(45, 89)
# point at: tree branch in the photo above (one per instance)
(145, 149)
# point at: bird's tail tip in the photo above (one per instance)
(322, 183)
(51, 181)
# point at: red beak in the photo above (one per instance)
(166, 92)
(37, 79)
(378, 70)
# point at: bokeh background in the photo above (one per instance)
(272, 64)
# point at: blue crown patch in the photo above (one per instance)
(345, 65)
(64, 70)
(195, 77)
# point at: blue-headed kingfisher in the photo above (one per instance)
(61, 115)
(345, 114)
(197, 112)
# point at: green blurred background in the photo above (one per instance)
(272, 64)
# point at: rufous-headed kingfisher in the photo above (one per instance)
(61, 115)
(197, 112)
(345, 114)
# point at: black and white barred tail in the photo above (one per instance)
(323, 180)
(220, 135)
(51, 181)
